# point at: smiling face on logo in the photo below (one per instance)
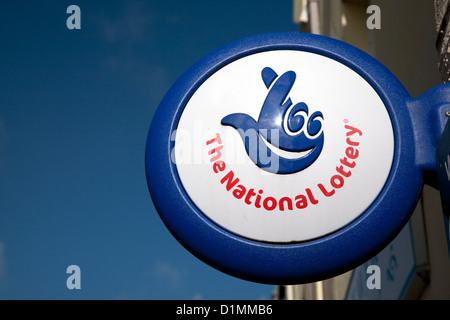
(282, 125)
(283, 146)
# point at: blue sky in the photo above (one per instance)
(75, 108)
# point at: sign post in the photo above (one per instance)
(289, 158)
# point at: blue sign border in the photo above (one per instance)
(285, 263)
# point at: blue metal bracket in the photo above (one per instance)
(428, 115)
(442, 157)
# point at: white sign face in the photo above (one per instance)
(319, 146)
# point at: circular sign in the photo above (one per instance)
(257, 201)
(281, 158)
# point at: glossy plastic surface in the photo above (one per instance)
(298, 262)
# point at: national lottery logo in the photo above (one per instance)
(276, 145)
(283, 146)
(285, 138)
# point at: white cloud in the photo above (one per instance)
(168, 272)
(197, 296)
(129, 39)
(132, 26)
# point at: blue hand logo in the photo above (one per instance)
(280, 126)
